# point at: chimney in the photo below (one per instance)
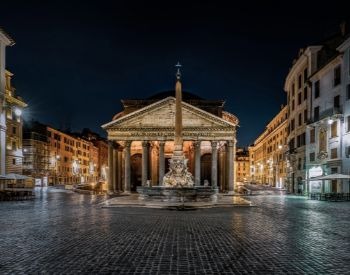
(343, 28)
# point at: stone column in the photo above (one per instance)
(234, 165)
(161, 162)
(119, 169)
(127, 167)
(214, 164)
(110, 167)
(221, 168)
(230, 168)
(197, 165)
(115, 170)
(145, 157)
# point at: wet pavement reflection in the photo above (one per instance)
(67, 233)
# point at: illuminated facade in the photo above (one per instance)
(328, 133)
(298, 93)
(55, 157)
(11, 108)
(267, 159)
(14, 124)
(141, 142)
(311, 72)
(36, 161)
(242, 165)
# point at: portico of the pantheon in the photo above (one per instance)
(141, 141)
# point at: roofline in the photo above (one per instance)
(7, 38)
(104, 126)
(344, 45)
(333, 61)
(308, 51)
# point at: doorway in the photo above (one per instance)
(136, 171)
(206, 168)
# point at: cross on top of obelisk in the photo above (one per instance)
(178, 73)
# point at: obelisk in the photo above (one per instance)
(178, 141)
(178, 175)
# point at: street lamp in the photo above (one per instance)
(18, 112)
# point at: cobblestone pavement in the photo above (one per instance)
(68, 233)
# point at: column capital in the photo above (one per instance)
(230, 143)
(214, 144)
(197, 143)
(127, 144)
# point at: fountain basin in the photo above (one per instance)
(178, 194)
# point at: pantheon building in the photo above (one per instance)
(141, 141)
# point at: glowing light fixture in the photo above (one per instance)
(18, 112)
(330, 121)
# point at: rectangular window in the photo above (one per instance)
(348, 92)
(299, 82)
(305, 116)
(348, 123)
(334, 127)
(336, 101)
(305, 93)
(337, 76)
(334, 170)
(14, 130)
(291, 144)
(293, 105)
(334, 153)
(312, 156)
(292, 125)
(300, 120)
(312, 135)
(303, 139)
(316, 113)
(347, 151)
(14, 161)
(299, 98)
(293, 89)
(305, 75)
(317, 89)
(14, 145)
(299, 164)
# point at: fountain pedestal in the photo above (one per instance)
(178, 194)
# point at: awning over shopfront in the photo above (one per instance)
(335, 176)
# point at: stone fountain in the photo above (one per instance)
(178, 185)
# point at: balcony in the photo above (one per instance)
(330, 112)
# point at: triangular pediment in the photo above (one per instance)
(161, 114)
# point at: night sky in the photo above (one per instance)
(74, 60)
